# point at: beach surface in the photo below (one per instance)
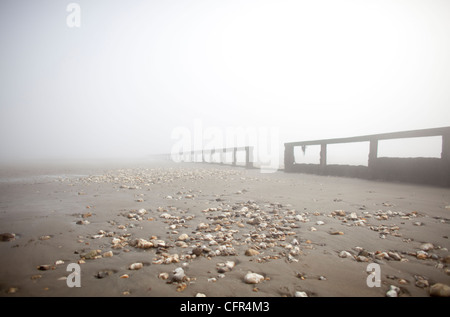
(190, 229)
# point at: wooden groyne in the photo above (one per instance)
(427, 170)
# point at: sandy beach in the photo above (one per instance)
(198, 229)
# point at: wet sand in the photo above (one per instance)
(298, 225)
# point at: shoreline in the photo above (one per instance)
(297, 224)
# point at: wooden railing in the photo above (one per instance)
(421, 170)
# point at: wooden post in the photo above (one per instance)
(445, 154)
(373, 152)
(248, 157)
(289, 159)
(323, 155)
(445, 158)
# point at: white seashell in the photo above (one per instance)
(253, 278)
(300, 294)
(183, 237)
(345, 254)
(178, 274)
(136, 266)
(230, 264)
(202, 225)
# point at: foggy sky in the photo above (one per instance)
(135, 70)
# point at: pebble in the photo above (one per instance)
(253, 278)
(393, 291)
(108, 254)
(183, 237)
(12, 290)
(440, 290)
(136, 266)
(93, 254)
(426, 246)
(345, 254)
(362, 258)
(44, 267)
(251, 252)
(395, 256)
(178, 275)
(422, 255)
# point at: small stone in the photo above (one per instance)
(143, 244)
(345, 254)
(300, 294)
(353, 216)
(178, 275)
(362, 258)
(421, 282)
(230, 264)
(163, 276)
(12, 290)
(44, 267)
(427, 246)
(136, 266)
(440, 290)
(108, 254)
(183, 237)
(90, 255)
(253, 278)
(197, 251)
(5, 237)
(422, 255)
(395, 256)
(202, 226)
(251, 252)
(393, 291)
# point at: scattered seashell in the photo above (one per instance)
(108, 254)
(253, 278)
(178, 275)
(251, 252)
(136, 266)
(5, 237)
(44, 267)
